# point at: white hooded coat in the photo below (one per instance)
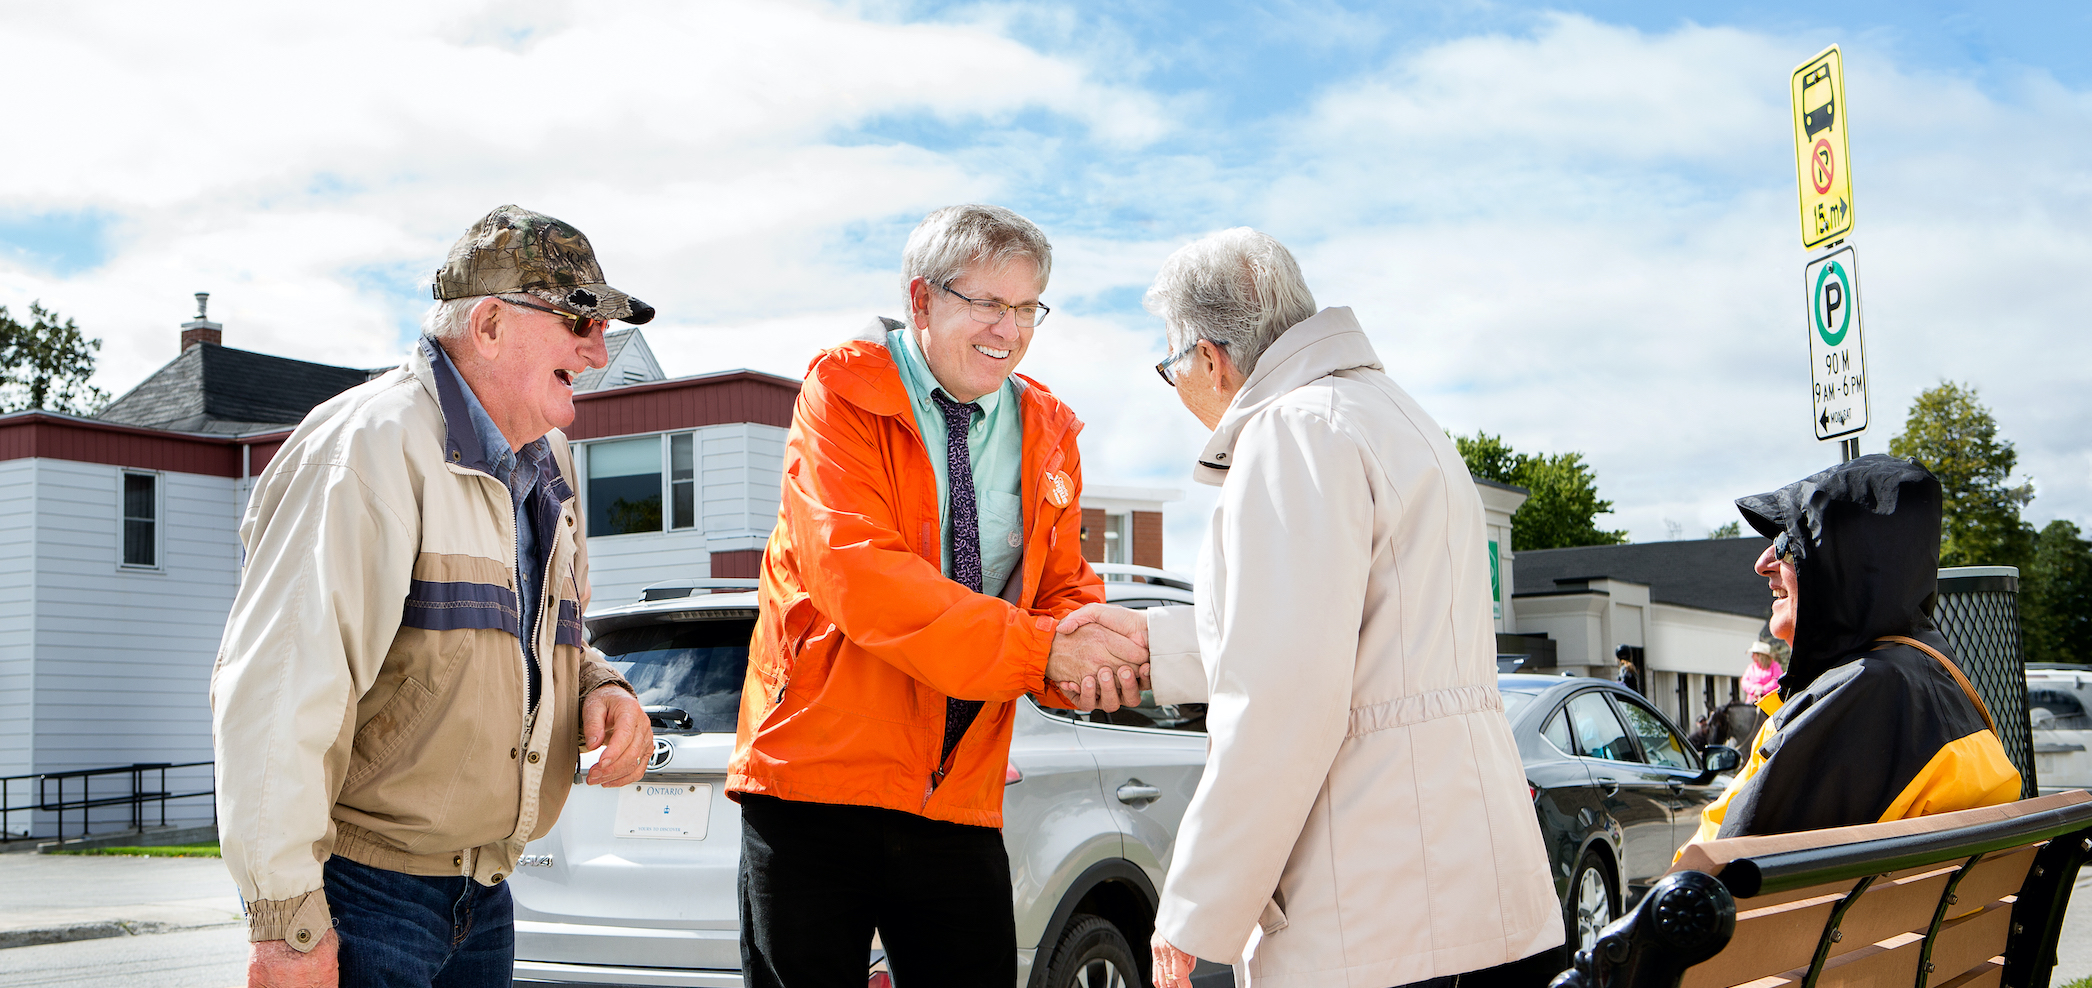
(1363, 801)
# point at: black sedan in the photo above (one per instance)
(1616, 787)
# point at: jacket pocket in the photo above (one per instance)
(1273, 919)
(382, 734)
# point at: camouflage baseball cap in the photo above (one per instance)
(514, 250)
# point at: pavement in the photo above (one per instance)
(55, 898)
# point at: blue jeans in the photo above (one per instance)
(415, 931)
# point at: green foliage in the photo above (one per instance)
(1954, 436)
(47, 364)
(2055, 602)
(1564, 494)
(1732, 530)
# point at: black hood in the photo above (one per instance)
(1868, 535)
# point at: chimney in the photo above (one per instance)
(199, 329)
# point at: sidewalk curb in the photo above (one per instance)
(96, 930)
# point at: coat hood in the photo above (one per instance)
(1312, 349)
(1868, 535)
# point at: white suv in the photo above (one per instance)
(637, 886)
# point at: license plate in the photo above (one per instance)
(664, 812)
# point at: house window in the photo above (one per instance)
(624, 486)
(682, 480)
(140, 519)
(1118, 542)
(628, 486)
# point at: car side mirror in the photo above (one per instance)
(1717, 758)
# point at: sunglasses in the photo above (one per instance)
(1786, 548)
(582, 326)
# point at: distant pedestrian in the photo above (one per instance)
(403, 678)
(1873, 720)
(1763, 675)
(1630, 674)
(1363, 804)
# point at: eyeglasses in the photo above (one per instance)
(1169, 376)
(989, 312)
(1785, 548)
(580, 325)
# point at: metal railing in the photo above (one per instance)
(54, 798)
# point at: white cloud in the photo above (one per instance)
(1581, 236)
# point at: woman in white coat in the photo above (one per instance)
(1363, 804)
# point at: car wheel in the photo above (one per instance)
(1591, 905)
(1092, 954)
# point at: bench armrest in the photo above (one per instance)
(1686, 918)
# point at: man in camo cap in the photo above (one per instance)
(403, 676)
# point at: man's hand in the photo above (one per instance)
(1124, 620)
(273, 964)
(1172, 966)
(615, 712)
(1108, 663)
(1114, 691)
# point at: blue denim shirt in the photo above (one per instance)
(523, 475)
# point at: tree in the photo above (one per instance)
(1564, 494)
(48, 363)
(2055, 601)
(1732, 530)
(1954, 436)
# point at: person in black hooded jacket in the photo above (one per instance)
(1873, 720)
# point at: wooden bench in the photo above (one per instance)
(1961, 900)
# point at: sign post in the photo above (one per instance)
(1837, 352)
(1822, 170)
(1830, 281)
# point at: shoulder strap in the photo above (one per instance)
(1952, 670)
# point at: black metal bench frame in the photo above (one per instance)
(1689, 916)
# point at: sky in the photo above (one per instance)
(1571, 225)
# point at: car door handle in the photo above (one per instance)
(1137, 793)
(1676, 786)
(1611, 787)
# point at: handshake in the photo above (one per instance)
(1100, 657)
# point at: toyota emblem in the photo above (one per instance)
(664, 749)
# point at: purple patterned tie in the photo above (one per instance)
(966, 541)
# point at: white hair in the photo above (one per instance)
(952, 240)
(448, 319)
(1238, 287)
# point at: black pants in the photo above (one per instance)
(817, 879)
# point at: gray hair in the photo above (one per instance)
(448, 319)
(954, 239)
(1237, 287)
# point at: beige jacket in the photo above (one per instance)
(1363, 802)
(369, 695)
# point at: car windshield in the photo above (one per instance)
(693, 668)
(1514, 702)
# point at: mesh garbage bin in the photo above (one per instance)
(1978, 611)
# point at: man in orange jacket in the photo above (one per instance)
(927, 546)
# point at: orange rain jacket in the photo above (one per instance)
(862, 636)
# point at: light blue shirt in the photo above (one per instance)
(995, 445)
(521, 473)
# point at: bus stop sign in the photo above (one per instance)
(1822, 168)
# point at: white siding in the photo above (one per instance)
(123, 656)
(17, 618)
(739, 467)
(619, 566)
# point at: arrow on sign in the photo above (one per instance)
(1824, 420)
